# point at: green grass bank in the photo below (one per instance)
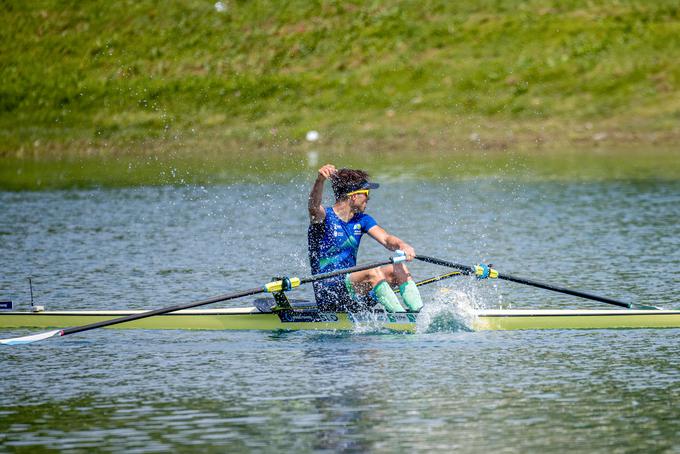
(111, 78)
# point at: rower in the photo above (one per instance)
(333, 237)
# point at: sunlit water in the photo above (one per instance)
(602, 390)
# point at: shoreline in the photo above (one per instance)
(430, 135)
(425, 145)
(181, 164)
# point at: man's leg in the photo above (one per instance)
(374, 280)
(398, 275)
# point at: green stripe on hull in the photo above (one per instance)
(250, 319)
(231, 321)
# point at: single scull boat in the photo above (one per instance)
(282, 315)
(251, 318)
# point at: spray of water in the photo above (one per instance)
(453, 307)
(449, 310)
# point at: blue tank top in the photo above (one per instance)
(333, 243)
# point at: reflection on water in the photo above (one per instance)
(474, 391)
(148, 247)
(201, 168)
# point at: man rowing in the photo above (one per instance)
(333, 239)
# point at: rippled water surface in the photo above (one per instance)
(148, 247)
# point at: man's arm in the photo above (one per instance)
(316, 212)
(391, 242)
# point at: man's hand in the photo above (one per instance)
(409, 251)
(326, 172)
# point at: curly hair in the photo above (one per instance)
(347, 180)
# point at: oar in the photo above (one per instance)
(438, 278)
(484, 271)
(275, 286)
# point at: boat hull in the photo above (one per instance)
(523, 319)
(252, 319)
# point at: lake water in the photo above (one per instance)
(149, 247)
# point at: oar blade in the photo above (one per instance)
(29, 339)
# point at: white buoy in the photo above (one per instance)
(312, 136)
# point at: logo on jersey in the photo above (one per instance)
(337, 231)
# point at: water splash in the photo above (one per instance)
(449, 310)
(370, 323)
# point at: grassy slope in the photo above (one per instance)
(131, 74)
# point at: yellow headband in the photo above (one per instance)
(360, 191)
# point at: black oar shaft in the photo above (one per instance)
(554, 288)
(165, 310)
(436, 261)
(354, 269)
(215, 299)
(471, 271)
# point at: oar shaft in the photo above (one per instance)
(465, 269)
(555, 288)
(471, 271)
(165, 310)
(354, 269)
(215, 299)
(438, 278)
